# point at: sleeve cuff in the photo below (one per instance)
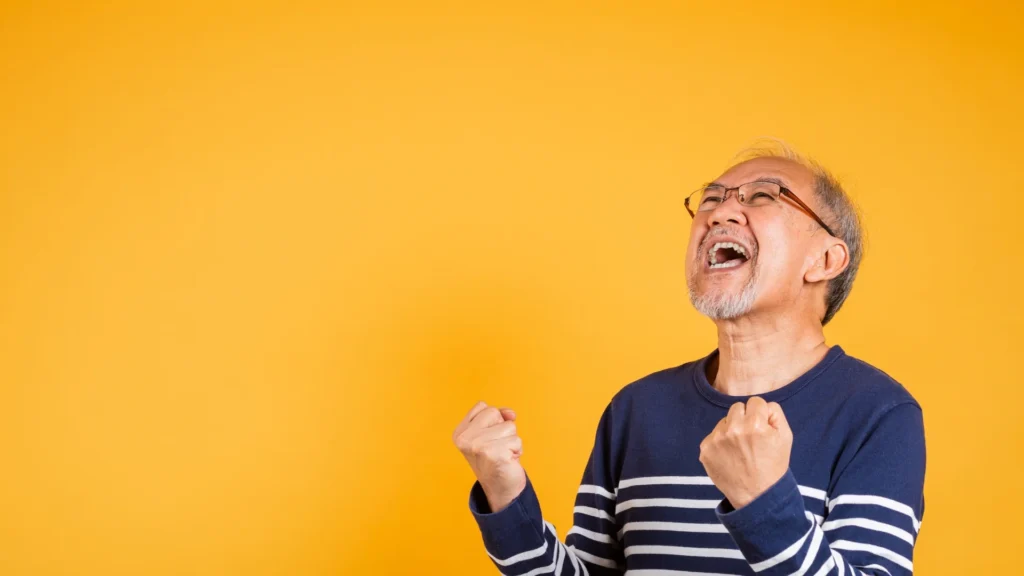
(512, 529)
(777, 515)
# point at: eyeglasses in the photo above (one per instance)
(753, 194)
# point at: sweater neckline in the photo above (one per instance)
(709, 392)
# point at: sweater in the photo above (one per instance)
(851, 501)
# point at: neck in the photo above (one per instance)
(759, 354)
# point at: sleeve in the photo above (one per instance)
(874, 511)
(521, 543)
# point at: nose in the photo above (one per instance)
(729, 211)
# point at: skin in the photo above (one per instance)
(487, 438)
(779, 339)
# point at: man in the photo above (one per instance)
(774, 454)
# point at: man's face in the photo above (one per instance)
(743, 259)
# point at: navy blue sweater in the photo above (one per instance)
(851, 502)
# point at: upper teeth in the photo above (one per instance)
(718, 246)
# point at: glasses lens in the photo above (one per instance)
(709, 198)
(759, 193)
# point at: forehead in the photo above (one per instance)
(793, 175)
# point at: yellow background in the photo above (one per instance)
(258, 260)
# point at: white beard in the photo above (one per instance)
(720, 306)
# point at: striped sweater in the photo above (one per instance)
(850, 503)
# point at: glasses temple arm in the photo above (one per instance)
(810, 212)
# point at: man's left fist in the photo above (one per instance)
(748, 451)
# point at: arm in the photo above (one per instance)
(520, 542)
(874, 511)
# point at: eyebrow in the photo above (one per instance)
(770, 179)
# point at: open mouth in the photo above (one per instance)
(727, 255)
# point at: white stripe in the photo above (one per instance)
(593, 559)
(826, 567)
(559, 558)
(537, 571)
(595, 536)
(593, 512)
(878, 567)
(840, 566)
(677, 480)
(785, 554)
(684, 551)
(704, 527)
(560, 551)
(573, 560)
(817, 519)
(665, 503)
(657, 572)
(812, 552)
(591, 489)
(876, 550)
(528, 555)
(813, 493)
(870, 525)
(698, 481)
(877, 501)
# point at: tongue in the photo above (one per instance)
(726, 254)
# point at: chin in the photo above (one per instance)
(723, 294)
(723, 304)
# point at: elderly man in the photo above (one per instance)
(774, 454)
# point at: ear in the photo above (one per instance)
(830, 263)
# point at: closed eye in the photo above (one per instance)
(712, 195)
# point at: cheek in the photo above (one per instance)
(779, 258)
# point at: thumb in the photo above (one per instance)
(777, 418)
(508, 414)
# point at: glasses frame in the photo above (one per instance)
(783, 191)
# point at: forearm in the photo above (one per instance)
(520, 542)
(778, 536)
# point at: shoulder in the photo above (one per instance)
(864, 384)
(654, 392)
(867, 401)
(654, 385)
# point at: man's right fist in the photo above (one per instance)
(487, 438)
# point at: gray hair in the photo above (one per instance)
(839, 212)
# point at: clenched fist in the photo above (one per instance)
(748, 451)
(487, 438)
